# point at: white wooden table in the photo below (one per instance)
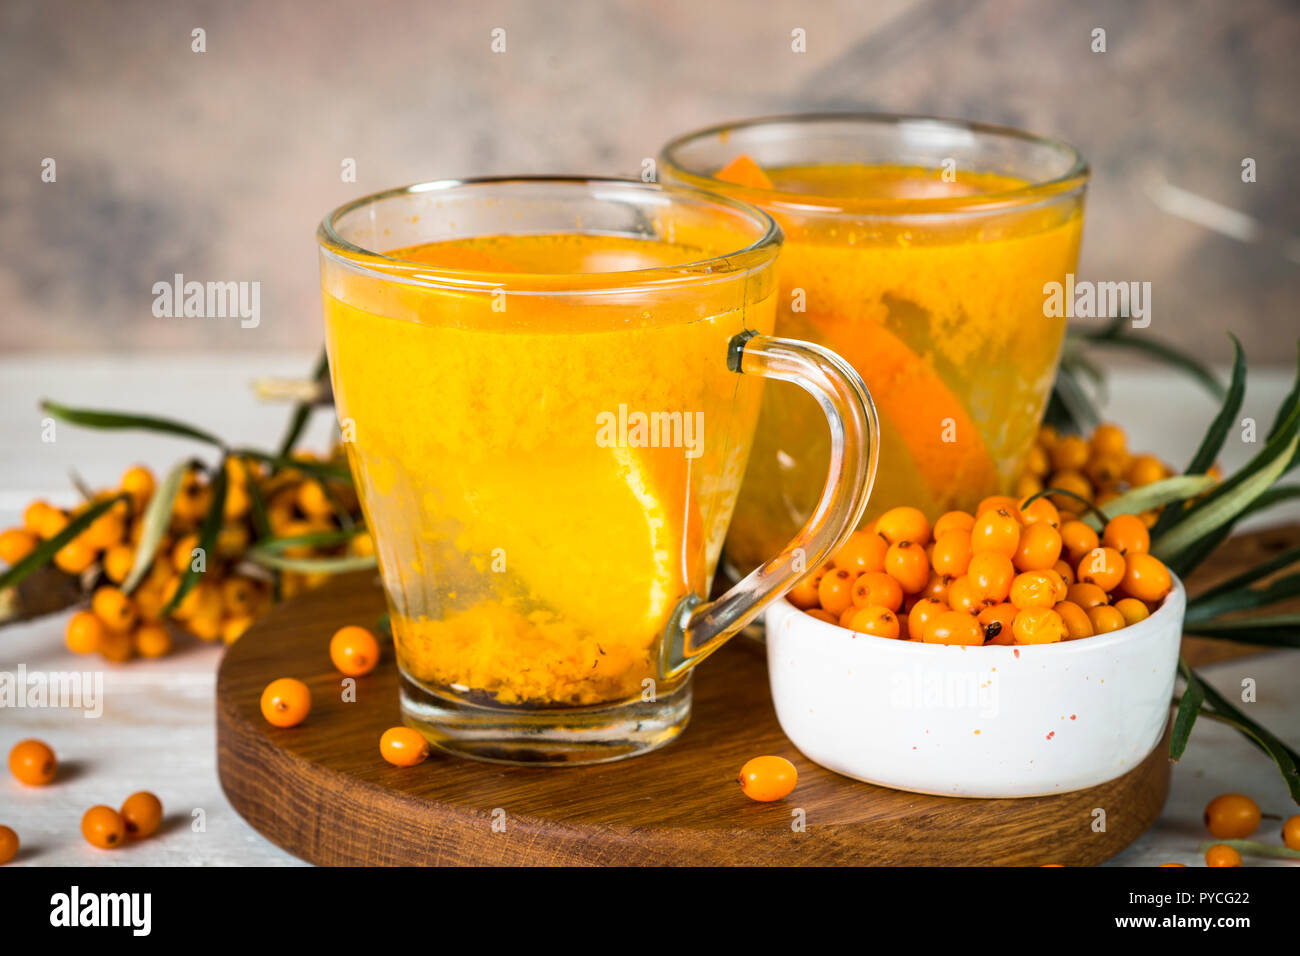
(157, 731)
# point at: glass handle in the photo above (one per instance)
(698, 628)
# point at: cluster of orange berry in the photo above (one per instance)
(286, 701)
(32, 762)
(1098, 468)
(232, 591)
(1015, 572)
(1234, 816)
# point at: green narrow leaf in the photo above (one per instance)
(1281, 630)
(317, 469)
(1285, 757)
(1158, 493)
(118, 420)
(1165, 353)
(257, 505)
(1246, 578)
(338, 565)
(157, 516)
(1232, 497)
(1189, 707)
(1212, 444)
(1253, 848)
(317, 539)
(302, 411)
(43, 553)
(1072, 397)
(208, 532)
(1289, 403)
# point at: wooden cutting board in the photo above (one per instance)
(322, 791)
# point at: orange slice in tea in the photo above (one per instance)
(941, 439)
(743, 171)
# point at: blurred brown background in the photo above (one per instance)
(219, 164)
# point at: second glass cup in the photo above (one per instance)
(548, 390)
(920, 250)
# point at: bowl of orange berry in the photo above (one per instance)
(1018, 650)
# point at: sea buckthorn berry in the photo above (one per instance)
(1103, 567)
(313, 499)
(1038, 625)
(1106, 472)
(1048, 436)
(1133, 610)
(923, 612)
(768, 778)
(990, 574)
(954, 627)
(936, 589)
(233, 628)
(1232, 816)
(239, 595)
(75, 556)
(183, 552)
(907, 564)
(1291, 833)
(1037, 462)
(8, 845)
(1075, 619)
(953, 521)
(138, 482)
(34, 517)
(876, 587)
(1146, 578)
(846, 618)
(835, 590)
(1064, 571)
(1076, 486)
(32, 762)
(997, 622)
(16, 544)
(1027, 486)
(996, 530)
(962, 596)
(1105, 619)
(403, 747)
(1127, 535)
(995, 502)
(49, 522)
(822, 615)
(1108, 439)
(105, 531)
(1040, 547)
(114, 608)
(1222, 855)
(904, 524)
(1033, 589)
(876, 620)
(1087, 596)
(84, 632)
(1038, 511)
(354, 650)
(1146, 470)
(1070, 453)
(1062, 590)
(863, 551)
(152, 640)
(103, 827)
(952, 553)
(115, 646)
(286, 702)
(804, 594)
(118, 561)
(142, 814)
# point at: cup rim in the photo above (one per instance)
(1074, 178)
(757, 254)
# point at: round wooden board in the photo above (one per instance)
(321, 790)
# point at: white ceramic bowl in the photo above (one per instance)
(992, 721)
